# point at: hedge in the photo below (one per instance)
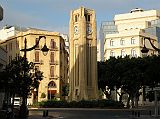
(80, 104)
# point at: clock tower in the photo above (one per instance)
(83, 55)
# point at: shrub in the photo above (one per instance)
(43, 95)
(81, 104)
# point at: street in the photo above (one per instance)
(76, 113)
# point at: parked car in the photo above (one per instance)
(17, 101)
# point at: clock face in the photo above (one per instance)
(89, 29)
(76, 29)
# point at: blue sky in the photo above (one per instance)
(53, 15)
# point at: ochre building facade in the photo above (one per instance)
(54, 65)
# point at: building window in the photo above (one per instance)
(52, 57)
(36, 42)
(76, 18)
(52, 71)
(112, 54)
(123, 53)
(133, 53)
(10, 46)
(17, 44)
(9, 59)
(52, 44)
(88, 17)
(36, 56)
(111, 43)
(122, 42)
(52, 84)
(132, 41)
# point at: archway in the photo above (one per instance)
(51, 90)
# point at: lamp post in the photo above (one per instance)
(145, 51)
(23, 108)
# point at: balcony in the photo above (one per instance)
(53, 77)
(54, 48)
(53, 62)
(38, 47)
(38, 61)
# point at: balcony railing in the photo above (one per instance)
(54, 48)
(53, 76)
(53, 62)
(38, 61)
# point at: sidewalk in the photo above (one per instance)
(50, 117)
(40, 117)
(144, 117)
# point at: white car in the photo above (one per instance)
(17, 101)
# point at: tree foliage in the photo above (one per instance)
(128, 74)
(22, 77)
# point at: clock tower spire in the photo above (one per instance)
(83, 55)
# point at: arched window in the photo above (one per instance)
(76, 18)
(52, 84)
(51, 90)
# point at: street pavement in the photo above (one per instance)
(83, 113)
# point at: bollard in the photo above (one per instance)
(135, 114)
(138, 114)
(44, 113)
(150, 113)
(132, 112)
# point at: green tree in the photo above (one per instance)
(125, 73)
(22, 78)
(152, 71)
(65, 90)
(102, 77)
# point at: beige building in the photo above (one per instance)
(83, 55)
(9, 31)
(54, 65)
(129, 39)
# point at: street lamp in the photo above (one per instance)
(145, 51)
(44, 49)
(23, 108)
